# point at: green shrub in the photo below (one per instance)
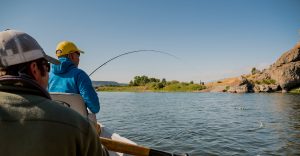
(196, 87)
(173, 87)
(159, 85)
(227, 88)
(266, 81)
(296, 90)
(254, 71)
(184, 83)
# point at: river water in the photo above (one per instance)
(206, 123)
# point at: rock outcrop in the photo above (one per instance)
(283, 75)
(243, 86)
(286, 70)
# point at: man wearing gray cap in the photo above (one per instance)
(30, 123)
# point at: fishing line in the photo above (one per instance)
(130, 52)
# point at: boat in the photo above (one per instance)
(75, 102)
(116, 144)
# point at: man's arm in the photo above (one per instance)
(88, 92)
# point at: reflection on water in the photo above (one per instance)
(291, 109)
(206, 123)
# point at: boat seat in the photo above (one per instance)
(74, 101)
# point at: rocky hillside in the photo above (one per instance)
(283, 75)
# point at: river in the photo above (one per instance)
(206, 123)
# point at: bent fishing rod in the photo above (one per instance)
(130, 52)
(126, 148)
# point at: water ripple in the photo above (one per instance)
(206, 123)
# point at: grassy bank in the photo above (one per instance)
(152, 87)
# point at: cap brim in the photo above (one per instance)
(51, 59)
(82, 52)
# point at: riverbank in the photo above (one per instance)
(223, 85)
(170, 87)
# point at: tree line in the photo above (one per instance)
(157, 84)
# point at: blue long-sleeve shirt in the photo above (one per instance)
(67, 78)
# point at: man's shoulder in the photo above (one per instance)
(35, 108)
(61, 113)
(81, 75)
(79, 71)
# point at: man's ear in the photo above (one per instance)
(71, 56)
(34, 70)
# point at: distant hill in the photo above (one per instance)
(107, 83)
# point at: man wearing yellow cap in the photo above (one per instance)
(68, 78)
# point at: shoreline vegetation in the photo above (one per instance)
(146, 84)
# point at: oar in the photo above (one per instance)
(131, 149)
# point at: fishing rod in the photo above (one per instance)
(131, 149)
(130, 52)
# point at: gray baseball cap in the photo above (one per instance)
(18, 47)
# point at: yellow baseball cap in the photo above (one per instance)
(66, 47)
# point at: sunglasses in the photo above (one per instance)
(78, 53)
(47, 64)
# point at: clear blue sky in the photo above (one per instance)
(214, 39)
